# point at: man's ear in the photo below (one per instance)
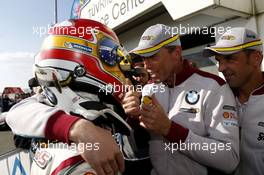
(257, 57)
(177, 52)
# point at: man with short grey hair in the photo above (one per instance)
(193, 120)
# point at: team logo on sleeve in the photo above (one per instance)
(192, 97)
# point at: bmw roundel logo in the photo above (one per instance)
(192, 97)
(50, 96)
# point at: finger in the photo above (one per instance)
(147, 108)
(129, 86)
(108, 169)
(149, 111)
(143, 125)
(96, 166)
(128, 82)
(133, 112)
(120, 161)
(130, 99)
(98, 169)
(128, 94)
(114, 165)
(131, 104)
(145, 122)
(134, 93)
(137, 78)
(146, 126)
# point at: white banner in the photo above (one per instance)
(115, 12)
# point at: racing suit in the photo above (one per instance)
(252, 134)
(204, 130)
(34, 118)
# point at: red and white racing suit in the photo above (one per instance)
(33, 118)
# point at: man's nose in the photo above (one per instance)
(147, 63)
(221, 66)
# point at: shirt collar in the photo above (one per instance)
(258, 91)
(186, 72)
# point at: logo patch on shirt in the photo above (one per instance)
(190, 110)
(230, 123)
(42, 158)
(227, 107)
(192, 97)
(261, 136)
(229, 115)
(261, 124)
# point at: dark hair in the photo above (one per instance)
(33, 82)
(136, 58)
(248, 51)
(170, 48)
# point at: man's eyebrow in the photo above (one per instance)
(148, 57)
(230, 56)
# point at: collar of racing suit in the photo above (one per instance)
(186, 72)
(257, 91)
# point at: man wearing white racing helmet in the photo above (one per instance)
(81, 69)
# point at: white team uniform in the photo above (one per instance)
(205, 105)
(252, 134)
